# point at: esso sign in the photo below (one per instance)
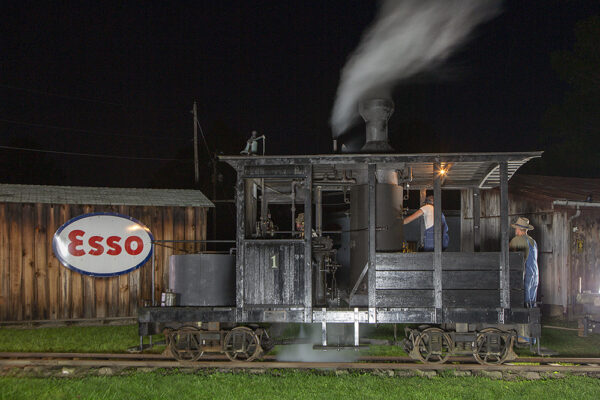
(103, 244)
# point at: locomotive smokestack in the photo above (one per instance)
(376, 113)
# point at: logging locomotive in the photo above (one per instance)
(320, 240)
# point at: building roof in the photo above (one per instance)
(556, 188)
(10, 193)
(462, 170)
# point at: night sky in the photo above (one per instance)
(82, 77)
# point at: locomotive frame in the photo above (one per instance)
(474, 299)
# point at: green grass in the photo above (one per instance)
(80, 339)
(117, 339)
(568, 344)
(291, 385)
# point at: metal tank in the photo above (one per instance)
(203, 279)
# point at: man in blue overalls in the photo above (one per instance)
(525, 243)
(427, 212)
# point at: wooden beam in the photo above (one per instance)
(504, 261)
(476, 220)
(487, 175)
(308, 226)
(422, 197)
(372, 242)
(437, 242)
(241, 236)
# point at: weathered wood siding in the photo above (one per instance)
(35, 286)
(584, 253)
(467, 240)
(269, 286)
(561, 263)
(468, 280)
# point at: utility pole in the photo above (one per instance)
(196, 170)
(214, 193)
(212, 160)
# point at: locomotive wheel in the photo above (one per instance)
(242, 344)
(184, 344)
(433, 346)
(492, 346)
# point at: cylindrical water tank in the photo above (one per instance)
(203, 279)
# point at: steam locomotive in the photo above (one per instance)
(320, 240)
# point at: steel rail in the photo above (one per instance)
(269, 359)
(228, 365)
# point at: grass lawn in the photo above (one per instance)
(79, 339)
(117, 339)
(292, 385)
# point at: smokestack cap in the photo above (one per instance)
(376, 113)
(376, 109)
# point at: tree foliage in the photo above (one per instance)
(571, 130)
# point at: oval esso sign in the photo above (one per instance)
(103, 244)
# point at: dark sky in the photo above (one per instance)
(82, 77)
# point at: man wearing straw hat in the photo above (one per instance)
(525, 243)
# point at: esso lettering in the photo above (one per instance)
(133, 245)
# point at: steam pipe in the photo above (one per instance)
(572, 217)
(568, 203)
(319, 210)
(293, 194)
(263, 200)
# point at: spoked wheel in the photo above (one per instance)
(493, 346)
(242, 344)
(184, 344)
(433, 346)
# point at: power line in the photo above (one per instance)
(94, 155)
(62, 128)
(86, 99)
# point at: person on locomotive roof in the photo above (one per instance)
(525, 243)
(427, 212)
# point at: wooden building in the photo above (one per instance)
(565, 213)
(35, 286)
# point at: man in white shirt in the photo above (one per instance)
(427, 212)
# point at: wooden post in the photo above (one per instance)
(372, 242)
(196, 170)
(241, 236)
(308, 225)
(422, 197)
(437, 242)
(504, 265)
(476, 220)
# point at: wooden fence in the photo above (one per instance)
(35, 286)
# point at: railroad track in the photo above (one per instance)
(97, 360)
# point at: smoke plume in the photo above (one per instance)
(408, 37)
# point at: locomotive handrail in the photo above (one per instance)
(195, 241)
